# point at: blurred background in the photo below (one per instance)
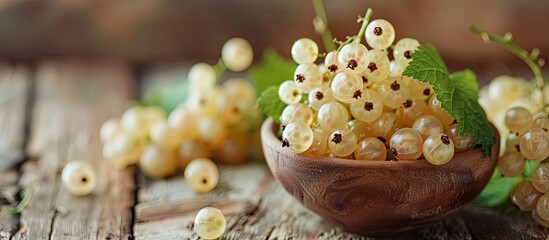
(145, 33)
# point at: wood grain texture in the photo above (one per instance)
(15, 83)
(72, 101)
(379, 198)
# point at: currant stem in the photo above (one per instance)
(529, 59)
(22, 205)
(219, 68)
(365, 22)
(326, 34)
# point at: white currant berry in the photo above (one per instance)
(190, 150)
(406, 144)
(298, 136)
(201, 78)
(184, 121)
(403, 50)
(202, 175)
(307, 77)
(354, 57)
(371, 149)
(419, 90)
(289, 93)
(209, 223)
(165, 136)
(135, 119)
(332, 116)
(79, 178)
(361, 129)
(230, 110)
(241, 91)
(157, 162)
(395, 69)
(237, 54)
(331, 62)
(319, 147)
(342, 142)
(534, 144)
(427, 125)
(384, 126)
(394, 93)
(304, 51)
(368, 107)
(297, 112)
(438, 149)
(110, 129)
(211, 131)
(320, 96)
(346, 87)
(379, 66)
(380, 34)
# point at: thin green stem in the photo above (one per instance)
(219, 68)
(529, 59)
(325, 33)
(23, 204)
(365, 22)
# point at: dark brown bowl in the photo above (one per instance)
(378, 198)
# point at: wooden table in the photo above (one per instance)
(50, 113)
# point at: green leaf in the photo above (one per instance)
(497, 191)
(457, 92)
(529, 168)
(270, 104)
(273, 70)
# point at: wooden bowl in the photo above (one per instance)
(378, 198)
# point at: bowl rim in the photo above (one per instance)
(268, 133)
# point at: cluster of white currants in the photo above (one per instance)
(522, 122)
(215, 121)
(358, 105)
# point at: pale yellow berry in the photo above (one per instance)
(79, 178)
(209, 223)
(202, 175)
(157, 162)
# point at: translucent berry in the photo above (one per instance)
(525, 196)
(202, 175)
(307, 77)
(542, 208)
(346, 87)
(331, 62)
(378, 67)
(380, 34)
(534, 144)
(201, 78)
(439, 112)
(411, 110)
(540, 120)
(354, 57)
(319, 147)
(304, 51)
(360, 129)
(368, 107)
(320, 96)
(289, 93)
(211, 131)
(233, 149)
(419, 90)
(165, 136)
(428, 125)
(209, 223)
(241, 90)
(237, 54)
(438, 149)
(395, 69)
(298, 136)
(384, 126)
(157, 162)
(518, 119)
(342, 142)
(184, 121)
(394, 93)
(110, 129)
(297, 112)
(504, 89)
(540, 178)
(332, 116)
(371, 149)
(79, 178)
(403, 50)
(511, 164)
(406, 144)
(461, 143)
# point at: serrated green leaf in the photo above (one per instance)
(457, 92)
(497, 190)
(273, 70)
(270, 104)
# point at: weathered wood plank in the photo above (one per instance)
(256, 207)
(15, 83)
(73, 99)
